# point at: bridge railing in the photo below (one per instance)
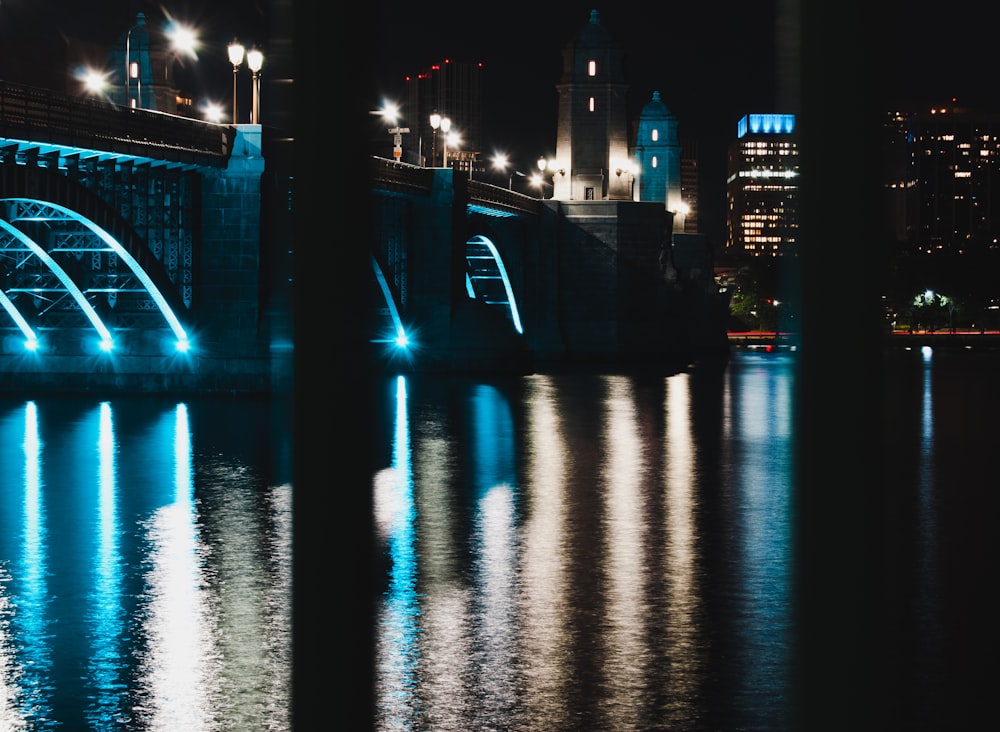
(45, 116)
(395, 176)
(392, 176)
(493, 196)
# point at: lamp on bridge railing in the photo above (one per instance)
(132, 68)
(435, 123)
(255, 60)
(445, 128)
(501, 162)
(236, 51)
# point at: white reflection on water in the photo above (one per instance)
(180, 671)
(602, 562)
(446, 658)
(494, 545)
(626, 656)
(684, 646)
(10, 717)
(547, 644)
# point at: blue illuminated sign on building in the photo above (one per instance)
(767, 124)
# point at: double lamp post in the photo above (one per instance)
(255, 61)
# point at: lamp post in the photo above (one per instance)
(133, 70)
(235, 58)
(435, 123)
(501, 162)
(255, 60)
(445, 126)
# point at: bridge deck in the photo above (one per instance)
(44, 120)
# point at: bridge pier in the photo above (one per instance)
(228, 307)
(598, 282)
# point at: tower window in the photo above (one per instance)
(591, 68)
(655, 161)
(593, 106)
(656, 135)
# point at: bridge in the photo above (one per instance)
(140, 250)
(470, 276)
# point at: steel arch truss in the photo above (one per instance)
(486, 278)
(61, 270)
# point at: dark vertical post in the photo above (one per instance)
(839, 670)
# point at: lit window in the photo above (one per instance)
(593, 106)
(655, 162)
(656, 135)
(591, 68)
(133, 69)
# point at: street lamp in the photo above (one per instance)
(132, 69)
(445, 126)
(255, 60)
(500, 162)
(435, 123)
(235, 58)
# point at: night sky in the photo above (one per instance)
(521, 43)
(711, 62)
(35, 36)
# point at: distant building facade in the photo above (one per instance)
(942, 180)
(690, 184)
(454, 90)
(762, 186)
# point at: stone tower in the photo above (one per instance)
(592, 157)
(658, 157)
(142, 70)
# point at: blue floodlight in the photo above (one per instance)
(106, 345)
(31, 344)
(183, 345)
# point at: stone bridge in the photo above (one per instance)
(471, 276)
(140, 250)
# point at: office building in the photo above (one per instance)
(689, 184)
(762, 186)
(944, 168)
(453, 90)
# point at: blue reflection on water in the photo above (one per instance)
(143, 585)
(398, 653)
(30, 621)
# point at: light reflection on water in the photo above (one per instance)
(558, 555)
(145, 568)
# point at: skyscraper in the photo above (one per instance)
(945, 168)
(452, 89)
(762, 186)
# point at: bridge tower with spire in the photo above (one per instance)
(592, 155)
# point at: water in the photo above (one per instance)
(617, 552)
(145, 565)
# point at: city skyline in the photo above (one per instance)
(710, 70)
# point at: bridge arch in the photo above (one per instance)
(34, 232)
(487, 278)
